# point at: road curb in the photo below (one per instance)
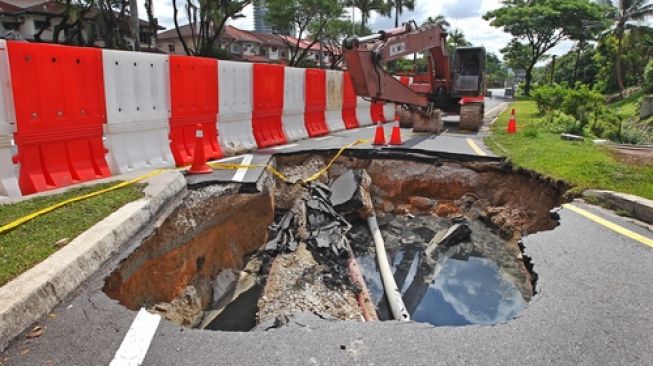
(634, 206)
(33, 294)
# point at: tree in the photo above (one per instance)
(542, 24)
(113, 19)
(496, 71)
(624, 18)
(307, 17)
(438, 20)
(71, 23)
(398, 6)
(206, 20)
(335, 31)
(367, 7)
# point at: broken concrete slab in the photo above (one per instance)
(351, 192)
(570, 137)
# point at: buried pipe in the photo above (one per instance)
(392, 292)
(363, 297)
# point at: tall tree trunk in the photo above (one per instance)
(528, 77)
(133, 24)
(578, 54)
(397, 8)
(620, 77)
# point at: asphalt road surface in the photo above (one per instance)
(592, 307)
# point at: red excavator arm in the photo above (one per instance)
(365, 57)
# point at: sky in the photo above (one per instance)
(465, 15)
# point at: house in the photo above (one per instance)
(244, 45)
(26, 18)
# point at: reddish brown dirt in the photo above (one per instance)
(192, 246)
(511, 200)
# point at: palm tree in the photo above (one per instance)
(625, 17)
(438, 20)
(398, 6)
(457, 39)
(367, 7)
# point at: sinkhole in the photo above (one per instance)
(234, 258)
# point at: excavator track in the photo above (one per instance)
(471, 116)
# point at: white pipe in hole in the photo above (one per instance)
(397, 306)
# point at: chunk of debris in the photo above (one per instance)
(327, 228)
(448, 237)
(351, 193)
(36, 332)
(281, 232)
(570, 137)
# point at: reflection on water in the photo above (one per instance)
(458, 288)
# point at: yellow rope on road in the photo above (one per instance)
(216, 165)
(14, 224)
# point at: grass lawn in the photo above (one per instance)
(29, 244)
(582, 164)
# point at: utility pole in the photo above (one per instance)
(321, 43)
(133, 24)
(553, 69)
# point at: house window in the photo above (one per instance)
(145, 37)
(10, 25)
(261, 51)
(235, 48)
(171, 48)
(39, 24)
(282, 54)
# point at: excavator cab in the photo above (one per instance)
(469, 72)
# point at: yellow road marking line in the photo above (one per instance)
(610, 225)
(475, 147)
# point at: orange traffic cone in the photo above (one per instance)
(199, 161)
(512, 123)
(395, 139)
(379, 136)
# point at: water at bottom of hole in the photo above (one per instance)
(240, 314)
(460, 289)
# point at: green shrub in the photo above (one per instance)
(564, 123)
(584, 104)
(648, 77)
(607, 125)
(548, 98)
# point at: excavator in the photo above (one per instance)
(456, 87)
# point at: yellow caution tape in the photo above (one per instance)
(14, 224)
(24, 219)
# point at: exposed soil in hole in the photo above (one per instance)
(206, 266)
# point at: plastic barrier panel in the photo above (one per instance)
(363, 112)
(348, 102)
(194, 99)
(268, 105)
(334, 101)
(315, 103)
(235, 118)
(377, 112)
(8, 171)
(59, 99)
(293, 105)
(137, 89)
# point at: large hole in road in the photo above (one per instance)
(234, 261)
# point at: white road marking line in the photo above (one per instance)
(240, 173)
(323, 138)
(229, 158)
(495, 108)
(372, 126)
(283, 147)
(137, 341)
